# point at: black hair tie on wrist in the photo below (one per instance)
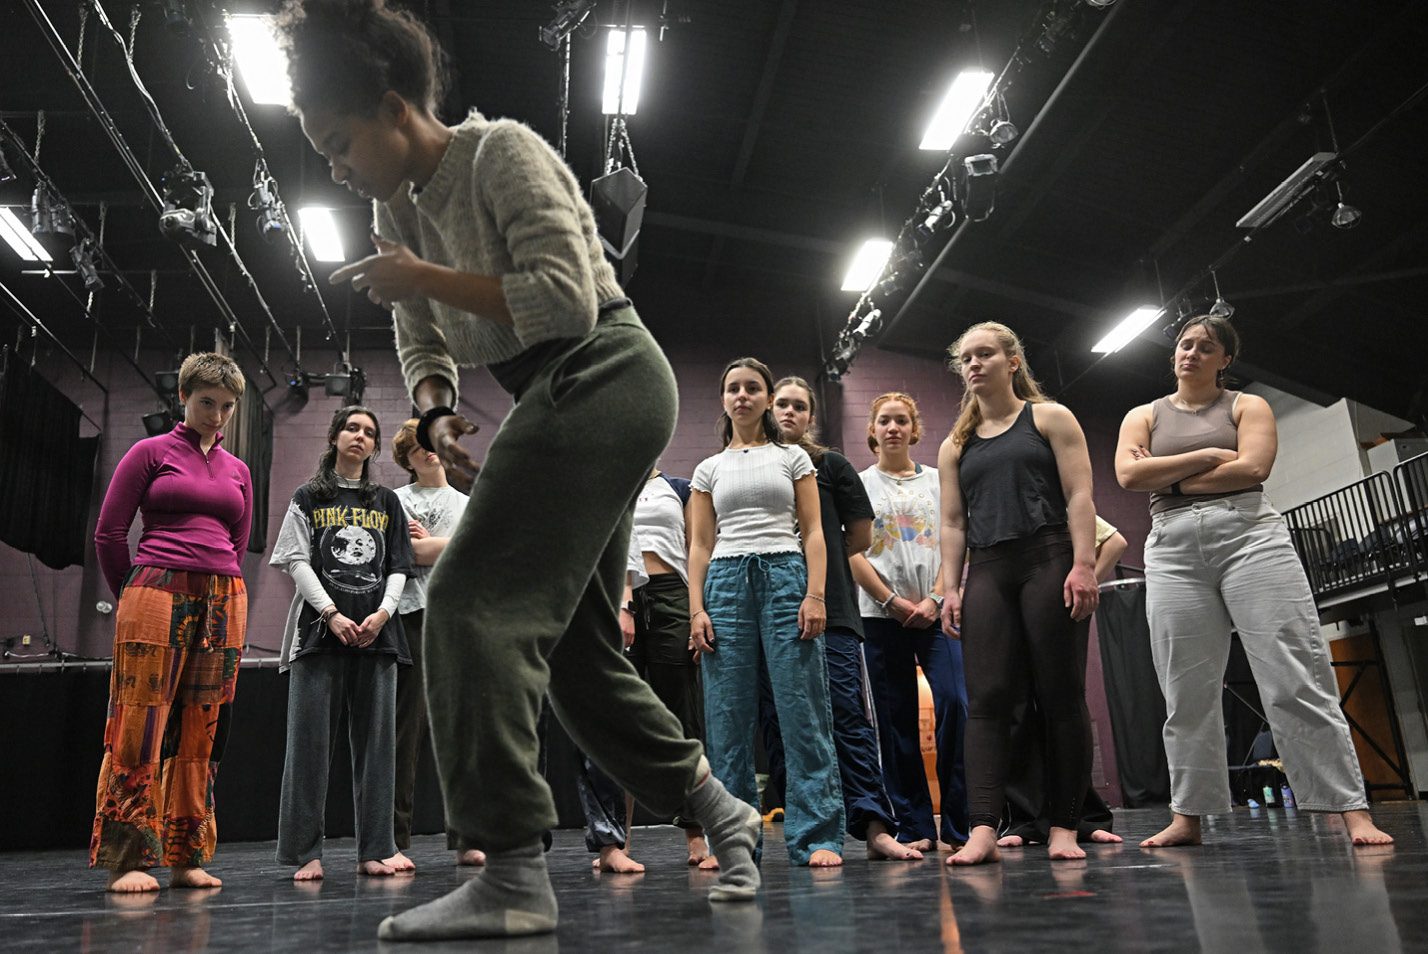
(423, 428)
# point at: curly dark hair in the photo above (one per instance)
(323, 484)
(344, 55)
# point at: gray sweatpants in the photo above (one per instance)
(320, 687)
(1224, 564)
(524, 598)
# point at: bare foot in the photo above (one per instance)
(375, 868)
(1102, 837)
(1062, 845)
(823, 858)
(1010, 841)
(980, 849)
(698, 847)
(1361, 829)
(182, 876)
(884, 847)
(1182, 830)
(709, 864)
(471, 858)
(132, 881)
(613, 858)
(399, 862)
(312, 871)
(922, 844)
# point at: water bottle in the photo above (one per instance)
(1286, 797)
(1268, 795)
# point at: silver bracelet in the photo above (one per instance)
(810, 596)
(887, 602)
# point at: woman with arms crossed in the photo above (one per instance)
(1016, 502)
(487, 253)
(1219, 557)
(183, 611)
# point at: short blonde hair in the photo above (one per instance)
(404, 443)
(208, 369)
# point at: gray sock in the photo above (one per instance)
(733, 828)
(510, 896)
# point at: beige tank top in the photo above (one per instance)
(1176, 431)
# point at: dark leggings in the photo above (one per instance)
(1015, 621)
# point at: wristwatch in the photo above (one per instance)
(936, 599)
(629, 607)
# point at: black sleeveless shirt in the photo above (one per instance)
(1011, 487)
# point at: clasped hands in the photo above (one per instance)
(358, 635)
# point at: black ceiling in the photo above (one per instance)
(776, 134)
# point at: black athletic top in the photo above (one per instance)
(1011, 487)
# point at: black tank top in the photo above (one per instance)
(1011, 487)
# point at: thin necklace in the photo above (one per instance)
(899, 477)
(1181, 404)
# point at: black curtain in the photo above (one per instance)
(46, 468)
(250, 439)
(1133, 695)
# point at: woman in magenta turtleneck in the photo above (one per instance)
(179, 628)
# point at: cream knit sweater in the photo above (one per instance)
(501, 203)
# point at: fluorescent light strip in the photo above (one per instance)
(614, 55)
(260, 60)
(319, 227)
(867, 265)
(1130, 326)
(19, 238)
(962, 102)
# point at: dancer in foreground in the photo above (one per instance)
(179, 630)
(1016, 501)
(488, 255)
(1219, 557)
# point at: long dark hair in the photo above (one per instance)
(725, 427)
(323, 484)
(814, 449)
(344, 55)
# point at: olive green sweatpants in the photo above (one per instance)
(524, 599)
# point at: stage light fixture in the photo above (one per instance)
(176, 17)
(963, 101)
(613, 102)
(1345, 216)
(264, 201)
(1003, 131)
(319, 227)
(568, 16)
(6, 173)
(51, 216)
(167, 382)
(260, 59)
(940, 218)
(82, 255)
(867, 265)
(1124, 332)
(188, 208)
(348, 384)
(976, 186)
(1221, 308)
(18, 237)
(161, 422)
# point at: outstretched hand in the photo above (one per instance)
(461, 467)
(390, 275)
